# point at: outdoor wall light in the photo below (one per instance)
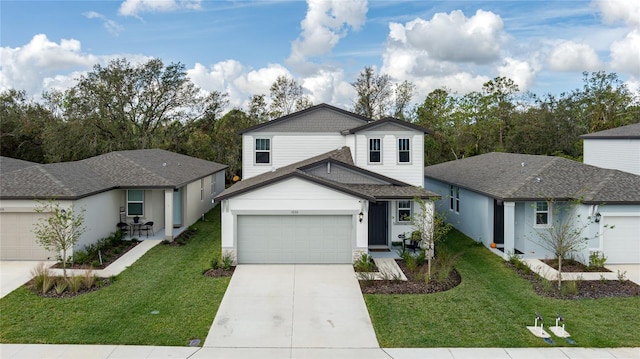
(360, 216)
(598, 216)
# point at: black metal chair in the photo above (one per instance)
(411, 243)
(124, 227)
(147, 227)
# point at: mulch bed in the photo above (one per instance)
(101, 283)
(219, 272)
(572, 266)
(592, 289)
(412, 285)
(109, 256)
(182, 239)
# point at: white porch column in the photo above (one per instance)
(168, 214)
(509, 228)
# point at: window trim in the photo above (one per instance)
(408, 150)
(129, 201)
(454, 198)
(256, 151)
(369, 150)
(201, 189)
(398, 209)
(536, 212)
(213, 185)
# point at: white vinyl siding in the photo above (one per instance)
(605, 153)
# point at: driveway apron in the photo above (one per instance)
(292, 306)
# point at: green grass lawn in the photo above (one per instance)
(167, 279)
(492, 307)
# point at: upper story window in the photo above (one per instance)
(404, 211)
(213, 185)
(404, 150)
(135, 202)
(454, 198)
(201, 189)
(263, 150)
(375, 150)
(542, 214)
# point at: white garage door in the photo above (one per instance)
(621, 244)
(17, 241)
(294, 239)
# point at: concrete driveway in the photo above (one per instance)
(632, 271)
(14, 274)
(292, 306)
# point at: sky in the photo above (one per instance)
(241, 47)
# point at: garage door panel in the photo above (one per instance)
(621, 244)
(17, 241)
(294, 239)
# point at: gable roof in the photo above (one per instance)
(150, 168)
(342, 157)
(384, 122)
(513, 177)
(319, 118)
(622, 132)
(8, 164)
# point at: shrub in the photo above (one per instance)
(215, 262)
(364, 263)
(47, 284)
(443, 264)
(597, 259)
(89, 279)
(227, 260)
(75, 283)
(569, 288)
(39, 273)
(60, 286)
(622, 275)
(421, 258)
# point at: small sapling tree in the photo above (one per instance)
(565, 232)
(432, 229)
(60, 230)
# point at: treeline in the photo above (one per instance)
(123, 106)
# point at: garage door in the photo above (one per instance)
(621, 244)
(17, 240)
(294, 239)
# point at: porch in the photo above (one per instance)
(159, 234)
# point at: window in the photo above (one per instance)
(201, 189)
(404, 150)
(454, 198)
(263, 150)
(135, 202)
(213, 185)
(404, 211)
(542, 214)
(375, 150)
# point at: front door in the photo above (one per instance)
(498, 222)
(177, 207)
(378, 226)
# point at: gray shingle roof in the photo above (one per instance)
(320, 118)
(389, 121)
(503, 176)
(622, 132)
(151, 168)
(8, 164)
(395, 189)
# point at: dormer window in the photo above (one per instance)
(263, 151)
(404, 150)
(375, 150)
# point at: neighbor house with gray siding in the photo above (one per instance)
(169, 189)
(507, 198)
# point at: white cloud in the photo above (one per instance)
(29, 67)
(625, 10)
(110, 25)
(625, 54)
(456, 38)
(135, 7)
(326, 22)
(521, 72)
(572, 56)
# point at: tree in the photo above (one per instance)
(403, 94)
(374, 94)
(565, 233)
(287, 97)
(122, 106)
(431, 227)
(59, 231)
(439, 113)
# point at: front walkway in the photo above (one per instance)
(281, 307)
(631, 272)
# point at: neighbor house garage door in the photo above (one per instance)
(621, 244)
(294, 239)
(17, 240)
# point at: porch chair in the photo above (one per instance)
(412, 242)
(125, 228)
(146, 228)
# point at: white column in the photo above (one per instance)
(168, 214)
(509, 228)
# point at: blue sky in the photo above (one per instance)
(241, 47)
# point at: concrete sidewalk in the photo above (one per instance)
(29, 351)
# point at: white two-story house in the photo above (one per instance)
(323, 185)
